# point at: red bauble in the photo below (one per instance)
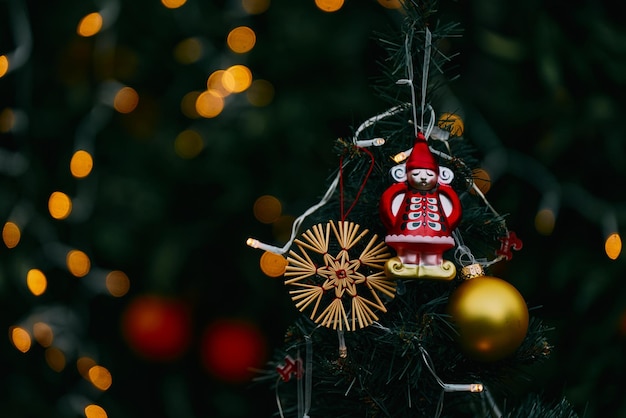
(231, 348)
(157, 328)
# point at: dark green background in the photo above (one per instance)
(543, 80)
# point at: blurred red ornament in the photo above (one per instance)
(232, 348)
(157, 327)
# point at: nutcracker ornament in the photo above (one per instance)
(419, 212)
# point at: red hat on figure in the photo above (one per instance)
(421, 157)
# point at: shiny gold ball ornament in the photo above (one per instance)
(490, 315)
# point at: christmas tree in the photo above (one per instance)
(135, 137)
(395, 269)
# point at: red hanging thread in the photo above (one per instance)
(356, 198)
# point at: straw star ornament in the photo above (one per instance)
(347, 290)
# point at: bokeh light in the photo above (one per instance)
(390, 4)
(241, 39)
(36, 282)
(157, 328)
(482, 180)
(100, 377)
(217, 82)
(83, 364)
(173, 4)
(81, 164)
(241, 78)
(117, 283)
(544, 221)
(188, 51)
(267, 209)
(59, 205)
(4, 65)
(260, 93)
(613, 246)
(255, 7)
(230, 348)
(273, 265)
(90, 25)
(95, 411)
(43, 334)
(78, 263)
(11, 234)
(329, 5)
(20, 338)
(55, 359)
(7, 116)
(188, 105)
(126, 100)
(209, 105)
(188, 144)
(281, 228)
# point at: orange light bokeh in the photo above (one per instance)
(126, 100)
(81, 164)
(78, 263)
(90, 25)
(11, 234)
(241, 39)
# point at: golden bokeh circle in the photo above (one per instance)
(272, 264)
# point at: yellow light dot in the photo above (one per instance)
(188, 144)
(452, 123)
(126, 100)
(209, 105)
(90, 25)
(95, 411)
(7, 116)
(267, 209)
(20, 338)
(36, 282)
(220, 83)
(260, 93)
(55, 359)
(100, 377)
(544, 221)
(59, 205)
(329, 5)
(390, 4)
(173, 4)
(273, 265)
(613, 246)
(83, 364)
(482, 180)
(241, 77)
(188, 104)
(117, 283)
(43, 334)
(255, 7)
(4, 65)
(81, 164)
(78, 263)
(281, 228)
(188, 51)
(11, 234)
(241, 39)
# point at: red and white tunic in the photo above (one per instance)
(418, 220)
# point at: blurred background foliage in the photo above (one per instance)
(540, 87)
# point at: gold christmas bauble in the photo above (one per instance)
(491, 318)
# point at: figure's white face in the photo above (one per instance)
(422, 178)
